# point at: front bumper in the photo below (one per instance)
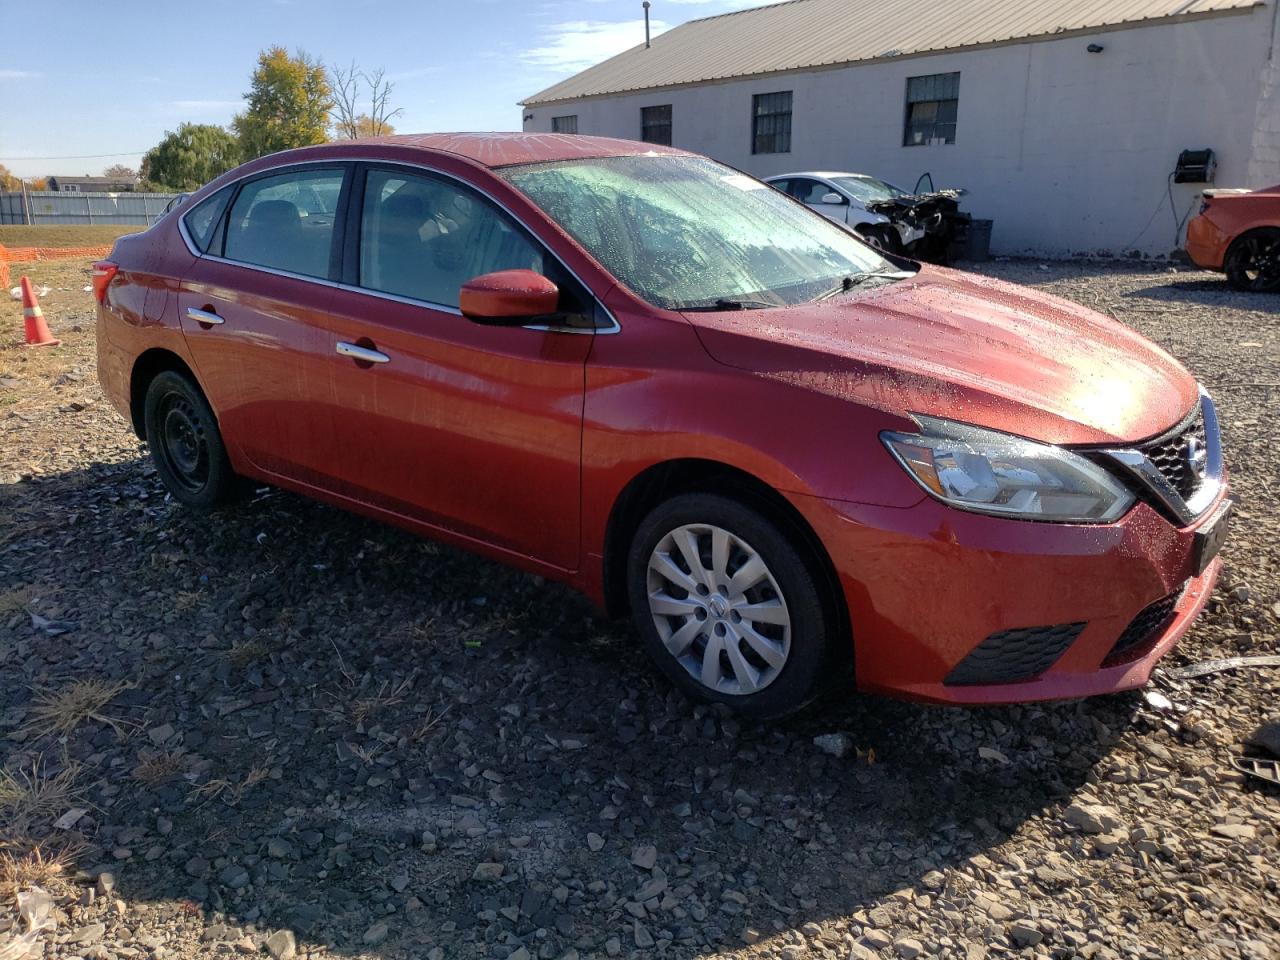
(928, 584)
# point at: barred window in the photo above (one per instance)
(771, 122)
(567, 124)
(932, 104)
(655, 124)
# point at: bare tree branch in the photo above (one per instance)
(379, 100)
(346, 96)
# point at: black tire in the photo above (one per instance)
(882, 236)
(186, 446)
(812, 652)
(1252, 262)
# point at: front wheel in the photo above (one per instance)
(728, 607)
(1253, 261)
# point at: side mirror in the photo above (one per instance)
(508, 297)
(832, 198)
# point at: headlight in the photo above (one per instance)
(990, 472)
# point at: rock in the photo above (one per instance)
(376, 934)
(89, 933)
(876, 939)
(613, 946)
(934, 880)
(643, 938)
(1234, 831)
(281, 945)
(908, 948)
(1025, 934)
(234, 876)
(644, 856)
(1092, 817)
(197, 867)
(105, 884)
(487, 871)
(595, 842)
(835, 744)
(279, 848)
(162, 734)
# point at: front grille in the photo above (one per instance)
(1013, 655)
(1144, 628)
(1169, 454)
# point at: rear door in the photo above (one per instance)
(254, 312)
(474, 429)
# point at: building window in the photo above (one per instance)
(655, 124)
(932, 103)
(567, 124)
(771, 122)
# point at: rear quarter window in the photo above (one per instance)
(202, 220)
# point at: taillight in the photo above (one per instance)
(103, 272)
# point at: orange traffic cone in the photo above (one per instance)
(38, 334)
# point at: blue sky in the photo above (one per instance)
(113, 86)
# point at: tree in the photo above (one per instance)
(349, 122)
(288, 104)
(7, 180)
(118, 171)
(190, 157)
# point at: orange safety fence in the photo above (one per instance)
(23, 254)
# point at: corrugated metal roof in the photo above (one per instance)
(804, 34)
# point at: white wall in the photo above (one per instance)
(1067, 151)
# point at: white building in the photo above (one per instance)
(1063, 120)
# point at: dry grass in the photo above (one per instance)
(64, 235)
(159, 766)
(11, 601)
(36, 865)
(36, 794)
(230, 792)
(62, 709)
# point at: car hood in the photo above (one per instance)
(967, 348)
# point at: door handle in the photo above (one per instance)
(363, 354)
(204, 316)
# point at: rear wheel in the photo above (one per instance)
(728, 607)
(186, 446)
(1253, 261)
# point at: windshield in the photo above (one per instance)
(868, 189)
(686, 232)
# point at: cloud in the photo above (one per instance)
(578, 44)
(203, 106)
(18, 74)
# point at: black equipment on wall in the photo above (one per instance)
(1195, 166)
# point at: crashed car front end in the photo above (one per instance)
(931, 225)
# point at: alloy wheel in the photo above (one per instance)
(718, 609)
(1256, 259)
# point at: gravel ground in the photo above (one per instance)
(282, 728)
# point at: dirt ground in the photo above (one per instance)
(282, 728)
(71, 235)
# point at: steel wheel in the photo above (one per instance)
(718, 609)
(183, 443)
(1253, 262)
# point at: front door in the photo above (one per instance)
(254, 313)
(474, 429)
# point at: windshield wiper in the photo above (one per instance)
(730, 303)
(857, 279)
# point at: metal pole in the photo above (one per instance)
(26, 205)
(646, 24)
(88, 208)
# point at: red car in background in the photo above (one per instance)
(642, 373)
(1238, 233)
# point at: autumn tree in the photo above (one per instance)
(350, 122)
(7, 180)
(189, 157)
(118, 171)
(287, 106)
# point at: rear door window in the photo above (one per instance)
(286, 222)
(423, 237)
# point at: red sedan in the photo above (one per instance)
(1238, 232)
(647, 375)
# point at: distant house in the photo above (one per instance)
(90, 184)
(1065, 121)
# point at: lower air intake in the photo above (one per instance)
(1014, 655)
(1145, 627)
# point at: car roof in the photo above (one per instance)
(822, 174)
(494, 149)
